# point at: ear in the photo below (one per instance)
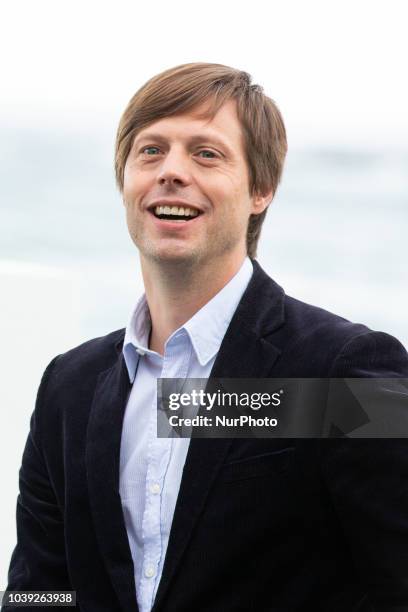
(260, 202)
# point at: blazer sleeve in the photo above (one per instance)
(368, 481)
(38, 561)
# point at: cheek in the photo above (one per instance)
(135, 183)
(222, 189)
(128, 173)
(128, 187)
(239, 199)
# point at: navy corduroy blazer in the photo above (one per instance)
(260, 525)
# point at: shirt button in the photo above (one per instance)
(155, 488)
(149, 571)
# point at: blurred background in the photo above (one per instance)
(335, 235)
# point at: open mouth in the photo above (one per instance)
(181, 214)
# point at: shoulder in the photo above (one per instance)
(313, 342)
(292, 321)
(312, 323)
(68, 385)
(335, 346)
(87, 360)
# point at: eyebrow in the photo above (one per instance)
(193, 140)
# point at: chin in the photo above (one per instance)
(173, 257)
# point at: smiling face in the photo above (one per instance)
(188, 162)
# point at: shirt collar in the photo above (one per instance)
(208, 326)
(136, 338)
(206, 329)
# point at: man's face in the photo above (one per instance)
(190, 163)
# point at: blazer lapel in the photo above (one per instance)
(102, 464)
(244, 353)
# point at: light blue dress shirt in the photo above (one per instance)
(150, 467)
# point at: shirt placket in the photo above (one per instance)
(175, 365)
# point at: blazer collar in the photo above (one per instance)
(102, 465)
(247, 351)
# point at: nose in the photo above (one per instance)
(174, 170)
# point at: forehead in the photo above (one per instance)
(224, 126)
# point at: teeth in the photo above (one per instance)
(175, 210)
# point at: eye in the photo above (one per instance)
(207, 154)
(150, 150)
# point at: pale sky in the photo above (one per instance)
(337, 69)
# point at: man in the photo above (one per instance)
(134, 522)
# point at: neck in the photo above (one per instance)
(175, 292)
